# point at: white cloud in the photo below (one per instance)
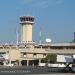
(56, 2)
(42, 3)
(26, 1)
(48, 3)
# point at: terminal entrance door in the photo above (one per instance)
(1, 63)
(33, 62)
(24, 62)
(36, 62)
(30, 62)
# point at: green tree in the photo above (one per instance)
(51, 58)
(74, 40)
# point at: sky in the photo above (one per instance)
(54, 18)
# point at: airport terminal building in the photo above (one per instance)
(29, 53)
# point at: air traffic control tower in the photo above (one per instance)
(26, 28)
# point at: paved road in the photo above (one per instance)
(36, 74)
(30, 70)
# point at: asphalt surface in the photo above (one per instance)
(28, 70)
(39, 74)
(31, 70)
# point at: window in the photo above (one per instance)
(44, 55)
(35, 55)
(24, 54)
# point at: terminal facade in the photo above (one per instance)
(29, 53)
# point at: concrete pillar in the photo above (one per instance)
(27, 62)
(39, 61)
(9, 61)
(4, 63)
(20, 63)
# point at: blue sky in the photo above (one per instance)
(54, 18)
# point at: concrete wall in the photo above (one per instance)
(39, 55)
(14, 55)
(29, 55)
(26, 34)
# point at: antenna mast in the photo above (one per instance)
(40, 37)
(17, 36)
(40, 34)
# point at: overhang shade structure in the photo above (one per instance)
(65, 58)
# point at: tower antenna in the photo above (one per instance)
(40, 34)
(17, 36)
